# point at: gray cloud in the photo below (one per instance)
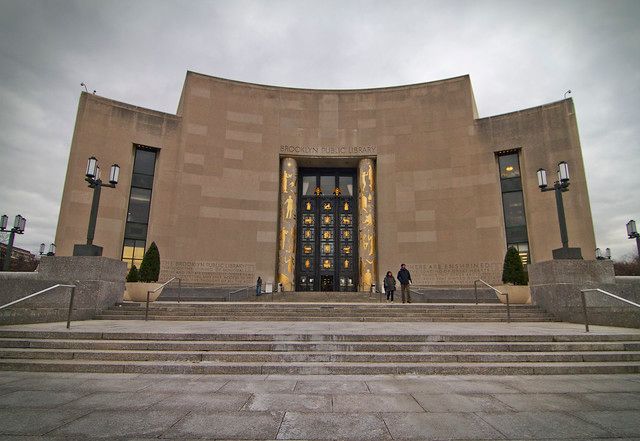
(519, 54)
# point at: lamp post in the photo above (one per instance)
(18, 228)
(632, 232)
(92, 176)
(560, 186)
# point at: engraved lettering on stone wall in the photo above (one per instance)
(329, 150)
(455, 273)
(206, 273)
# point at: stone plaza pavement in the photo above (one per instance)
(57, 406)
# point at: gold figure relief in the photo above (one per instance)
(326, 234)
(327, 219)
(370, 175)
(307, 234)
(366, 278)
(307, 249)
(307, 263)
(285, 180)
(363, 202)
(346, 206)
(326, 263)
(289, 205)
(347, 249)
(290, 265)
(327, 248)
(308, 220)
(318, 191)
(327, 206)
(363, 180)
(346, 263)
(346, 220)
(368, 219)
(308, 206)
(346, 234)
(283, 237)
(337, 191)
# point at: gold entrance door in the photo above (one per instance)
(327, 231)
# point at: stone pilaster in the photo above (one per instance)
(366, 223)
(287, 225)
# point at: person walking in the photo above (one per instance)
(258, 286)
(404, 277)
(389, 285)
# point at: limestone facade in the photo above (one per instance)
(217, 210)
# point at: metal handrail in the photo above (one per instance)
(59, 285)
(475, 289)
(146, 311)
(584, 302)
(238, 290)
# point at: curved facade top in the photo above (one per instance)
(249, 180)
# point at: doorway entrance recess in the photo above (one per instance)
(327, 231)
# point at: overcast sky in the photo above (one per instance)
(519, 54)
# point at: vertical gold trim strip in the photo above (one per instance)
(366, 223)
(288, 216)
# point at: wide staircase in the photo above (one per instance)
(246, 351)
(334, 312)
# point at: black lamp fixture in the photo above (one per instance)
(52, 249)
(92, 176)
(632, 233)
(603, 256)
(560, 186)
(19, 224)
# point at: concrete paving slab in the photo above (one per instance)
(259, 386)
(408, 384)
(620, 423)
(460, 403)
(201, 402)
(35, 421)
(440, 426)
(541, 425)
(195, 385)
(38, 398)
(231, 425)
(369, 403)
(117, 400)
(547, 402)
(549, 384)
(614, 400)
(117, 423)
(478, 385)
(604, 384)
(289, 402)
(332, 426)
(331, 387)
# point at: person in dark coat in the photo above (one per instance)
(259, 286)
(404, 277)
(389, 285)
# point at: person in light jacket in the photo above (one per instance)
(404, 277)
(389, 285)
(259, 286)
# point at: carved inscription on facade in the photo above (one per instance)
(329, 150)
(455, 273)
(204, 273)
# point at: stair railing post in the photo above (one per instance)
(73, 293)
(584, 310)
(475, 289)
(179, 289)
(508, 308)
(146, 311)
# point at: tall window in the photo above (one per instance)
(135, 232)
(515, 221)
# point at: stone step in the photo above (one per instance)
(326, 346)
(321, 368)
(205, 337)
(322, 319)
(332, 356)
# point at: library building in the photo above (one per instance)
(325, 190)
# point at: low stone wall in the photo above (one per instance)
(556, 284)
(99, 281)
